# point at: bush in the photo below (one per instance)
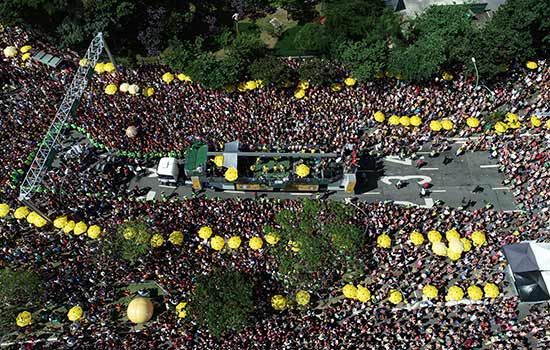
(222, 301)
(270, 70)
(131, 241)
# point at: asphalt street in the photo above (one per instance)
(451, 183)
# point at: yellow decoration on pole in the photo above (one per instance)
(124, 87)
(472, 122)
(491, 290)
(478, 238)
(21, 213)
(184, 77)
(109, 67)
(299, 93)
(447, 76)
(501, 127)
(336, 87)
(452, 234)
(250, 85)
(111, 89)
(447, 124)
(231, 174)
(26, 56)
(350, 81)
(475, 293)
(205, 232)
(304, 85)
(256, 243)
(24, 319)
(455, 293)
(94, 231)
(383, 241)
(176, 238)
(75, 313)
(535, 121)
(434, 236)
(80, 228)
(234, 242)
(395, 297)
(218, 160)
(10, 51)
(439, 248)
(454, 256)
(167, 77)
(149, 91)
(435, 125)
(217, 243)
(379, 117)
(69, 227)
(302, 170)
(394, 120)
(531, 65)
(133, 89)
(467, 244)
(272, 238)
(4, 210)
(157, 240)
(456, 246)
(350, 291)
(180, 309)
(302, 297)
(83, 62)
(278, 302)
(363, 294)
(429, 291)
(129, 233)
(99, 68)
(416, 121)
(405, 121)
(416, 238)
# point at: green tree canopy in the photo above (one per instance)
(223, 301)
(19, 287)
(270, 70)
(363, 59)
(352, 19)
(311, 38)
(215, 73)
(131, 241)
(318, 71)
(420, 61)
(323, 241)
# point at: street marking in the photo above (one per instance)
(395, 159)
(301, 194)
(229, 191)
(512, 211)
(501, 188)
(489, 166)
(428, 203)
(438, 191)
(423, 152)
(371, 193)
(460, 142)
(387, 179)
(429, 168)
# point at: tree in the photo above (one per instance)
(311, 38)
(270, 70)
(318, 71)
(352, 19)
(179, 55)
(420, 61)
(19, 287)
(315, 242)
(247, 46)
(223, 301)
(214, 73)
(363, 59)
(130, 242)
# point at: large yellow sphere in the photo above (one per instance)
(140, 310)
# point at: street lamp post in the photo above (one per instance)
(477, 79)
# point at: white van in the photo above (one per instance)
(168, 171)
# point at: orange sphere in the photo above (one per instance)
(140, 310)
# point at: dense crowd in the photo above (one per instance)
(78, 272)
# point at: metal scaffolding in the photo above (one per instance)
(70, 101)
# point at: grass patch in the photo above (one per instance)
(285, 46)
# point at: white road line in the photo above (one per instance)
(429, 168)
(489, 166)
(397, 160)
(438, 191)
(230, 191)
(300, 194)
(371, 193)
(512, 211)
(460, 141)
(501, 188)
(423, 152)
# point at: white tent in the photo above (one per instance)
(541, 251)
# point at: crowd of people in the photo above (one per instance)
(77, 271)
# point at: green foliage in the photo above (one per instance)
(363, 59)
(19, 287)
(223, 301)
(179, 55)
(352, 19)
(247, 46)
(270, 69)
(325, 241)
(311, 38)
(130, 242)
(214, 73)
(420, 61)
(318, 71)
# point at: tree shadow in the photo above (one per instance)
(369, 172)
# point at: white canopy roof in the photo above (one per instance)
(541, 251)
